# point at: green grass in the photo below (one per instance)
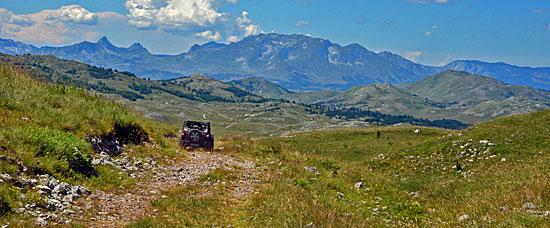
(45, 128)
(409, 178)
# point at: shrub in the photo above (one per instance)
(4, 206)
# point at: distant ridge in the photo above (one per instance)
(295, 62)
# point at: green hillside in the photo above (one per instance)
(233, 110)
(462, 88)
(381, 97)
(262, 87)
(45, 130)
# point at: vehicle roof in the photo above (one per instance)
(196, 122)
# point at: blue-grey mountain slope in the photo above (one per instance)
(295, 62)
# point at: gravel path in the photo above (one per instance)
(112, 210)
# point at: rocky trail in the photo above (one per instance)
(68, 204)
(116, 210)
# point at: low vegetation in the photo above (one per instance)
(45, 129)
(489, 175)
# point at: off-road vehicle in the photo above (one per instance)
(196, 134)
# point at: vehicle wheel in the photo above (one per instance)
(195, 136)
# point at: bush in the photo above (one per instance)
(4, 206)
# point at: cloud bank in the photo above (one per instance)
(191, 20)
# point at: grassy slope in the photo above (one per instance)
(262, 87)
(270, 117)
(41, 125)
(410, 179)
(469, 89)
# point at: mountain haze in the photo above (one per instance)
(295, 62)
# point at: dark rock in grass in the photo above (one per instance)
(359, 185)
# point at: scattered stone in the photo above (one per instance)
(20, 210)
(5, 177)
(6, 226)
(341, 195)
(503, 159)
(44, 188)
(312, 170)
(41, 222)
(414, 194)
(62, 188)
(310, 224)
(484, 141)
(503, 208)
(3, 157)
(359, 185)
(53, 204)
(463, 218)
(416, 131)
(69, 212)
(528, 205)
(53, 183)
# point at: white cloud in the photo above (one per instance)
(74, 14)
(541, 10)
(11, 18)
(171, 13)
(361, 20)
(232, 39)
(250, 28)
(58, 26)
(386, 22)
(413, 55)
(430, 32)
(441, 1)
(233, 1)
(209, 35)
(446, 60)
(301, 22)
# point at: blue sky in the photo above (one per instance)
(432, 32)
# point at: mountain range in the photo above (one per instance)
(295, 62)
